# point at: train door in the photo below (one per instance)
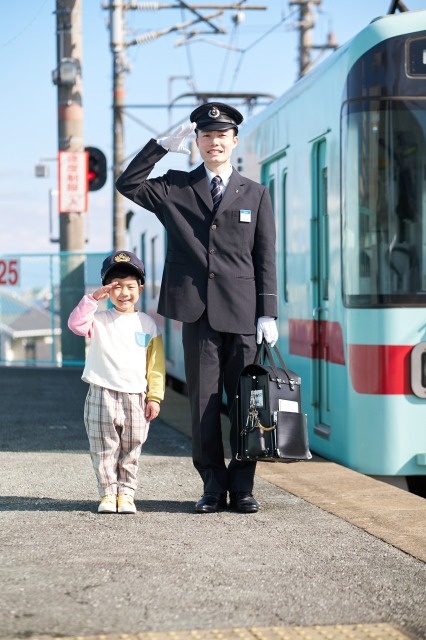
(320, 281)
(274, 177)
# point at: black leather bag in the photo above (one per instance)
(271, 425)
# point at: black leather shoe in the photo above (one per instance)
(243, 502)
(211, 503)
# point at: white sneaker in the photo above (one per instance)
(108, 504)
(126, 504)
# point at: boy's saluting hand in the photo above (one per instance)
(103, 292)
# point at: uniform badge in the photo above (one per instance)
(245, 215)
(122, 257)
(214, 112)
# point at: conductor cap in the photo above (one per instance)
(216, 116)
(127, 262)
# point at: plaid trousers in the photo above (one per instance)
(117, 428)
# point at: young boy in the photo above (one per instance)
(125, 369)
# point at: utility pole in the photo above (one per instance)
(306, 24)
(118, 91)
(67, 77)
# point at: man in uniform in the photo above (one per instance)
(219, 280)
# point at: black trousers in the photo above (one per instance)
(213, 362)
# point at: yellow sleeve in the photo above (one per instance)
(155, 369)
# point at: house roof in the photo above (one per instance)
(20, 319)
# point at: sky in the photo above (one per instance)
(258, 54)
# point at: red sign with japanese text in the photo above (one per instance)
(73, 181)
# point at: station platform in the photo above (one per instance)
(330, 554)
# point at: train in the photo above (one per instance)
(343, 153)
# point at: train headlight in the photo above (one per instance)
(418, 370)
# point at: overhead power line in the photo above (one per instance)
(117, 10)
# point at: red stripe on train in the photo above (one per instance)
(317, 339)
(373, 368)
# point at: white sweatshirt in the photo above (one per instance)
(125, 351)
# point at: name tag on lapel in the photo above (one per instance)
(245, 215)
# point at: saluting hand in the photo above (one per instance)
(176, 140)
(103, 292)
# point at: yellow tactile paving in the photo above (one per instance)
(390, 514)
(328, 632)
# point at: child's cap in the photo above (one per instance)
(123, 258)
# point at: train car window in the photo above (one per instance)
(273, 176)
(394, 68)
(153, 265)
(271, 188)
(325, 234)
(143, 257)
(284, 233)
(383, 159)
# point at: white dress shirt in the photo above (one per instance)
(225, 177)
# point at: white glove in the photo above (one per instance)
(266, 328)
(176, 141)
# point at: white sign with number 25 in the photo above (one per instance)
(9, 272)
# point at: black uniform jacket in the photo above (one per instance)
(225, 263)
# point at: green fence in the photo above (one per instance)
(37, 294)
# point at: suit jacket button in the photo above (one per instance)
(211, 275)
(214, 227)
(212, 251)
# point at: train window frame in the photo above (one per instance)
(410, 57)
(370, 127)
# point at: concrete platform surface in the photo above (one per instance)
(294, 569)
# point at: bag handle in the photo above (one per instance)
(260, 358)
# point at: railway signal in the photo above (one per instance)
(97, 168)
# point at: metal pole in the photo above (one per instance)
(70, 138)
(306, 24)
(119, 69)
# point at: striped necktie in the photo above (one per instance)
(216, 192)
